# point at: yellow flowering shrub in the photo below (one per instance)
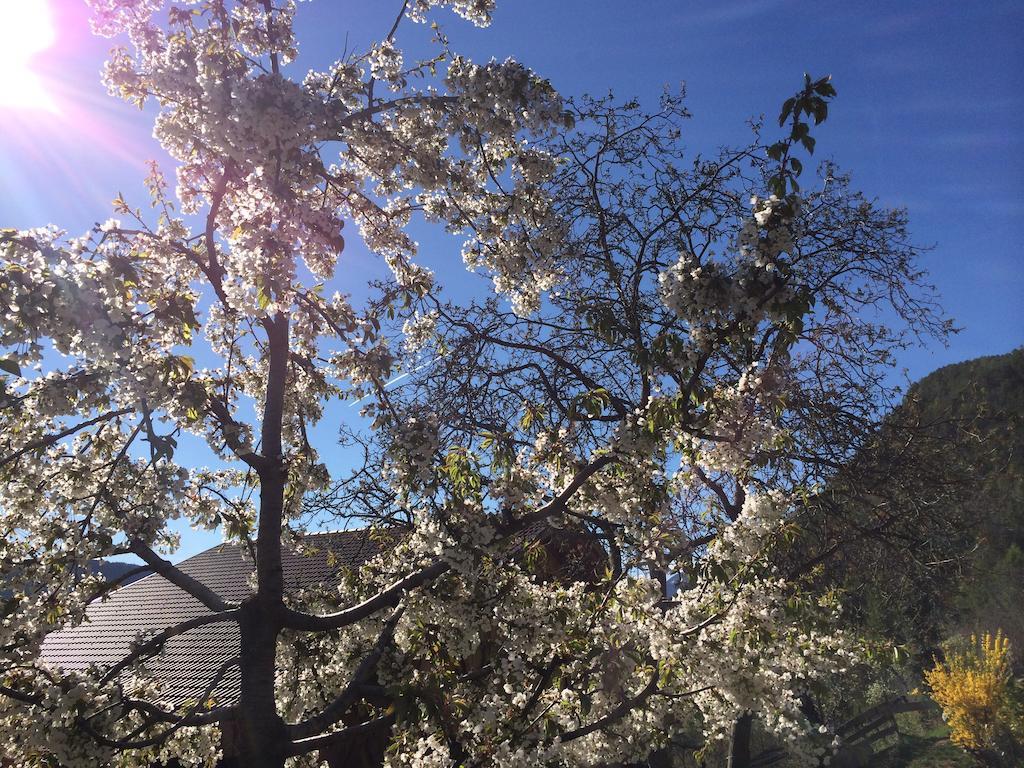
(974, 687)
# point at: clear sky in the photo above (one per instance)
(930, 113)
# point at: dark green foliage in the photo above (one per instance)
(988, 394)
(924, 743)
(811, 102)
(923, 529)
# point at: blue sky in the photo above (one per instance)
(930, 115)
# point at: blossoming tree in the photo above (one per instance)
(683, 359)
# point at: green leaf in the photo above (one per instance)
(262, 298)
(9, 365)
(527, 418)
(824, 87)
(820, 111)
(787, 108)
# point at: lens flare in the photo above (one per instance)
(26, 29)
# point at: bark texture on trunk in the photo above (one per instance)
(367, 751)
(739, 748)
(272, 470)
(262, 737)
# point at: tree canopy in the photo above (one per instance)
(679, 350)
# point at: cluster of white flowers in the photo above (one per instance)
(386, 61)
(710, 294)
(695, 291)
(262, 134)
(520, 489)
(723, 648)
(515, 238)
(361, 367)
(111, 17)
(746, 537)
(418, 331)
(261, 33)
(743, 427)
(753, 654)
(769, 234)
(477, 11)
(50, 727)
(413, 446)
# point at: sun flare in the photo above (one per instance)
(26, 29)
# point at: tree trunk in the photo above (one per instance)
(262, 738)
(263, 741)
(739, 749)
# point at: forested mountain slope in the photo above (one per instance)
(986, 398)
(923, 529)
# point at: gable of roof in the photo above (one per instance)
(190, 661)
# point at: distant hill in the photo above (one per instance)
(926, 524)
(113, 569)
(987, 395)
(110, 570)
(990, 392)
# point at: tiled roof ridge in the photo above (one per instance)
(225, 546)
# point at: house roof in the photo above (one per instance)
(190, 660)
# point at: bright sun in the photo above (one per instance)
(26, 29)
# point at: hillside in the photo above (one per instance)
(923, 530)
(986, 397)
(922, 534)
(113, 570)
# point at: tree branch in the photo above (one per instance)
(351, 693)
(48, 440)
(306, 622)
(181, 722)
(337, 738)
(557, 504)
(179, 578)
